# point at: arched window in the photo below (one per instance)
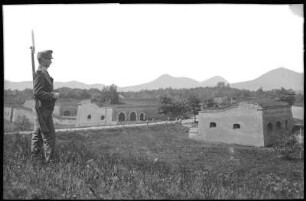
(236, 126)
(212, 125)
(286, 124)
(121, 117)
(133, 116)
(66, 113)
(270, 127)
(141, 117)
(278, 125)
(102, 117)
(89, 116)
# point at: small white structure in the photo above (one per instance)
(90, 114)
(12, 113)
(250, 123)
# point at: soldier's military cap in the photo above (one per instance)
(47, 54)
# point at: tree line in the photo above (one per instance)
(205, 95)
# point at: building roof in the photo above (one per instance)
(18, 107)
(130, 102)
(263, 103)
(266, 103)
(140, 102)
(67, 101)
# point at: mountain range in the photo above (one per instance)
(29, 85)
(274, 79)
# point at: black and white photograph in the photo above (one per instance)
(153, 101)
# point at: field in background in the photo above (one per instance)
(157, 162)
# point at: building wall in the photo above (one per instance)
(28, 113)
(96, 112)
(59, 108)
(7, 113)
(150, 112)
(72, 109)
(297, 112)
(246, 115)
(272, 116)
(64, 121)
(29, 104)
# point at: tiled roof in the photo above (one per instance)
(264, 103)
(130, 102)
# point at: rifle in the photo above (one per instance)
(38, 117)
(32, 56)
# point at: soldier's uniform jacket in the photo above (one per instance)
(43, 88)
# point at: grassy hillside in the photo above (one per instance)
(157, 162)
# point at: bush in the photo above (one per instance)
(22, 123)
(290, 148)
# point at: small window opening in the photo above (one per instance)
(66, 113)
(278, 125)
(141, 117)
(236, 126)
(270, 127)
(212, 125)
(102, 117)
(89, 116)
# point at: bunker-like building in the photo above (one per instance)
(253, 123)
(129, 111)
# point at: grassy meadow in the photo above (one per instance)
(156, 162)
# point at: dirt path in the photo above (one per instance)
(104, 127)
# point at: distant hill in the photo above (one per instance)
(274, 79)
(29, 85)
(18, 85)
(164, 81)
(213, 81)
(76, 84)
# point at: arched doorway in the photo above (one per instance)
(141, 117)
(133, 116)
(121, 117)
(270, 127)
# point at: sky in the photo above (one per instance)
(134, 44)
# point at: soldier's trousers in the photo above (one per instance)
(44, 140)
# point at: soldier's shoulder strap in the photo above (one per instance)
(38, 71)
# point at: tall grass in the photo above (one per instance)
(144, 163)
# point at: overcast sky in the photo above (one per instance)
(134, 44)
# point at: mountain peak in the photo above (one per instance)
(165, 76)
(274, 79)
(281, 69)
(213, 81)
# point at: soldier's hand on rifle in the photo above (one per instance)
(55, 95)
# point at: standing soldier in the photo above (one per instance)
(44, 132)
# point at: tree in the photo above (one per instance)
(210, 103)
(194, 106)
(165, 105)
(220, 84)
(110, 95)
(286, 96)
(172, 108)
(179, 109)
(107, 95)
